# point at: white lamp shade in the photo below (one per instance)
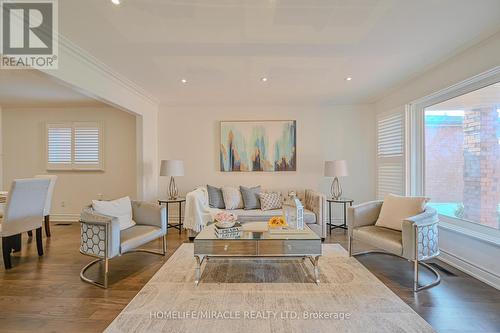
(337, 168)
(172, 168)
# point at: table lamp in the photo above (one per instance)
(336, 169)
(172, 168)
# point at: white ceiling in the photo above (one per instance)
(33, 88)
(305, 47)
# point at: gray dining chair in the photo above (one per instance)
(23, 212)
(48, 201)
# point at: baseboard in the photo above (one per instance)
(473, 270)
(64, 217)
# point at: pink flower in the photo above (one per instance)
(225, 217)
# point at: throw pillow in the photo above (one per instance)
(250, 197)
(270, 200)
(397, 208)
(215, 198)
(232, 197)
(119, 208)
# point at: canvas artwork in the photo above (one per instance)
(258, 145)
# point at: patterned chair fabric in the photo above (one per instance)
(93, 239)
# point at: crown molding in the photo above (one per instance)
(90, 61)
(475, 82)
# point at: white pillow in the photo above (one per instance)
(119, 208)
(232, 197)
(397, 208)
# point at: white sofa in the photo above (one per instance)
(199, 213)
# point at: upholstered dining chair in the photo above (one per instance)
(417, 242)
(23, 212)
(101, 237)
(48, 201)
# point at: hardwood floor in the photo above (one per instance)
(46, 295)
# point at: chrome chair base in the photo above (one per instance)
(416, 286)
(105, 261)
(103, 285)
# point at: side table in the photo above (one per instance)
(344, 202)
(178, 201)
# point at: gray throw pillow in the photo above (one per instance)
(215, 198)
(251, 197)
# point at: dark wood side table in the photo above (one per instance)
(343, 201)
(178, 201)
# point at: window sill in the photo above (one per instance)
(471, 230)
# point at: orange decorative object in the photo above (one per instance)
(277, 222)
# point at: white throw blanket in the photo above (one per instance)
(198, 213)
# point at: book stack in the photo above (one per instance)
(229, 233)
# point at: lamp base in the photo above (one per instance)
(336, 189)
(173, 193)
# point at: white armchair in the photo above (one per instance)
(23, 212)
(418, 240)
(102, 238)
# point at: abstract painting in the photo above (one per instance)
(258, 145)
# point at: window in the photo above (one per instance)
(390, 154)
(74, 146)
(462, 156)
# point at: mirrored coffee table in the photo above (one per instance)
(256, 242)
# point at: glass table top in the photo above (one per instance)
(257, 231)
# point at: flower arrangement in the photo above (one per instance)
(277, 222)
(225, 219)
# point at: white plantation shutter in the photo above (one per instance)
(87, 145)
(59, 146)
(74, 146)
(390, 135)
(390, 154)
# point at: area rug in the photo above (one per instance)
(267, 296)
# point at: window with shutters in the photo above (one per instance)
(74, 146)
(390, 154)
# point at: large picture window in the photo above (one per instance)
(462, 156)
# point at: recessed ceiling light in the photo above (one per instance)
(348, 78)
(115, 2)
(264, 79)
(184, 81)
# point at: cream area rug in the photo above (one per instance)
(267, 296)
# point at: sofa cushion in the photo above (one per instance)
(232, 197)
(257, 215)
(271, 200)
(397, 208)
(251, 197)
(382, 238)
(215, 198)
(137, 236)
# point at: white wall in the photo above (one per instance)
(1, 151)
(340, 132)
(475, 60)
(83, 72)
(471, 254)
(24, 154)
